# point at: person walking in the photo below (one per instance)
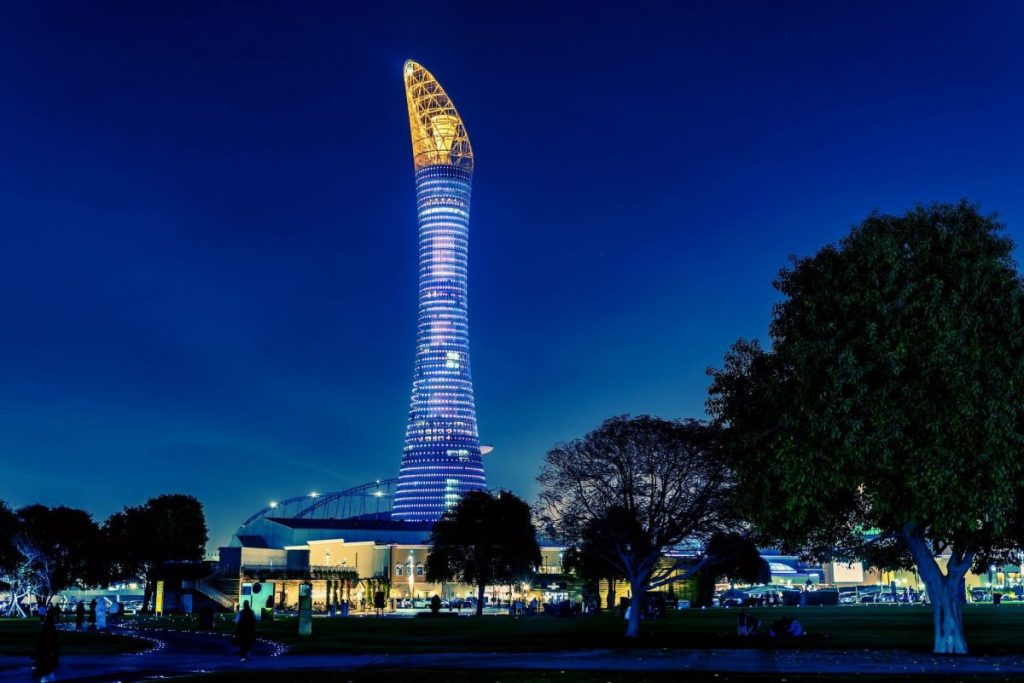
(79, 615)
(47, 654)
(245, 630)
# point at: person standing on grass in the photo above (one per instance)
(101, 616)
(47, 653)
(79, 615)
(92, 615)
(245, 630)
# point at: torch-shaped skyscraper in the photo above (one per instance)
(442, 459)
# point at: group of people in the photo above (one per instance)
(748, 625)
(518, 608)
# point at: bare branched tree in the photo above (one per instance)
(647, 485)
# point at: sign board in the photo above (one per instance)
(159, 598)
(305, 609)
(847, 573)
(259, 595)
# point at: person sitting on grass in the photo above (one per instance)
(747, 625)
(787, 627)
(780, 629)
(795, 628)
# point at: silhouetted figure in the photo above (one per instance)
(47, 654)
(747, 625)
(787, 627)
(92, 615)
(245, 630)
(79, 615)
(101, 615)
(206, 618)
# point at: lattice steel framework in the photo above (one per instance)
(374, 498)
(442, 458)
(438, 135)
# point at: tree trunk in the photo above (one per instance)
(480, 599)
(147, 593)
(947, 617)
(945, 592)
(637, 587)
(611, 595)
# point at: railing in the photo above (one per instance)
(204, 587)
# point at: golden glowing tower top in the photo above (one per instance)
(438, 135)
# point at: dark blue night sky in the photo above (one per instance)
(209, 258)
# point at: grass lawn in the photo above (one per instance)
(438, 676)
(990, 630)
(18, 638)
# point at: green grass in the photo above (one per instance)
(18, 638)
(438, 676)
(990, 630)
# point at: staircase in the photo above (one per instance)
(219, 588)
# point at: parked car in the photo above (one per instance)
(732, 598)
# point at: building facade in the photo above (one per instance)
(442, 456)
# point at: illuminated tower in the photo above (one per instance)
(441, 460)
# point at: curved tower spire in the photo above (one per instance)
(441, 460)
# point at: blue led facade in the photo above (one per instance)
(442, 457)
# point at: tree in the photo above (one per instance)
(892, 398)
(731, 555)
(588, 560)
(483, 540)
(9, 555)
(642, 485)
(18, 573)
(60, 547)
(167, 527)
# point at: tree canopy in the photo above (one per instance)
(64, 545)
(482, 540)
(733, 555)
(892, 398)
(588, 559)
(164, 528)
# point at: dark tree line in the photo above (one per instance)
(44, 550)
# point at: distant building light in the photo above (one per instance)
(273, 504)
(313, 494)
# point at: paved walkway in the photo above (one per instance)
(177, 653)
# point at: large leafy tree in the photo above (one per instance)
(167, 527)
(891, 398)
(588, 560)
(484, 539)
(732, 555)
(641, 486)
(61, 547)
